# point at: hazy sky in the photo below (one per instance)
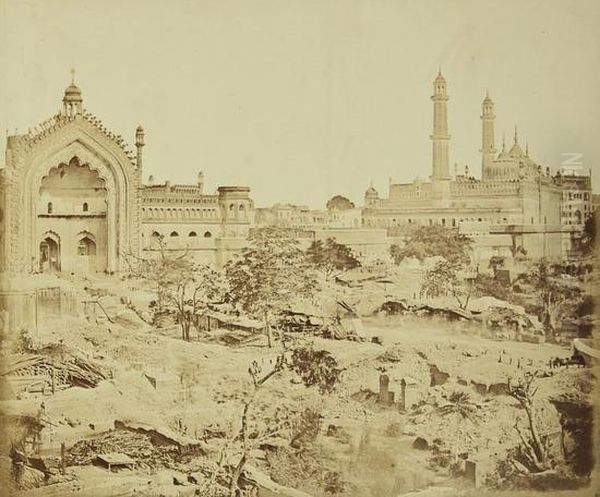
(304, 99)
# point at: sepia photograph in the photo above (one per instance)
(299, 248)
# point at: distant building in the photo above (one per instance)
(343, 225)
(514, 210)
(576, 198)
(595, 202)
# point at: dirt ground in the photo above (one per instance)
(203, 383)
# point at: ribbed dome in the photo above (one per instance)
(72, 94)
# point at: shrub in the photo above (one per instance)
(316, 368)
(305, 428)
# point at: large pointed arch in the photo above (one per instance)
(79, 140)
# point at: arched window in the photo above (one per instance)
(155, 234)
(86, 246)
(207, 234)
(453, 222)
(50, 207)
(85, 207)
(192, 233)
(174, 233)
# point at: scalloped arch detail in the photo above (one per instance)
(53, 235)
(75, 161)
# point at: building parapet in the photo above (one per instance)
(485, 188)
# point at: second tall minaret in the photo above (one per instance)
(440, 136)
(488, 150)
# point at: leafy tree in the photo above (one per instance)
(331, 257)
(340, 203)
(269, 274)
(444, 279)
(192, 293)
(435, 240)
(554, 293)
(485, 284)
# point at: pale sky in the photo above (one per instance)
(305, 99)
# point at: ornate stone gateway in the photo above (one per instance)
(71, 196)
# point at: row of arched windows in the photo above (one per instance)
(240, 208)
(207, 234)
(50, 207)
(156, 212)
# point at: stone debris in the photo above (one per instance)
(137, 446)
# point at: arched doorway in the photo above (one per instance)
(50, 254)
(86, 253)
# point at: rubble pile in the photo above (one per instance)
(507, 322)
(299, 322)
(138, 446)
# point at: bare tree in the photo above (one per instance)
(248, 437)
(163, 269)
(444, 279)
(192, 293)
(534, 448)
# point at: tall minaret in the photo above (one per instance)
(440, 136)
(488, 150)
(139, 145)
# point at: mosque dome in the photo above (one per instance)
(516, 151)
(371, 192)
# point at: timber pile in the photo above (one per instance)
(70, 371)
(138, 446)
